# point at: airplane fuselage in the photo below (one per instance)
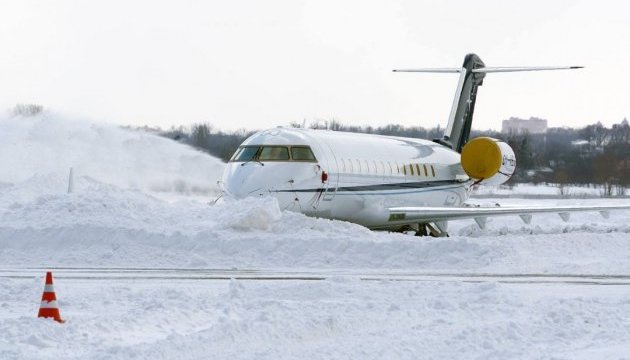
(387, 182)
(346, 176)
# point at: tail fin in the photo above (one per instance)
(471, 76)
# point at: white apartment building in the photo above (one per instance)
(533, 125)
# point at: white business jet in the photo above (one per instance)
(386, 182)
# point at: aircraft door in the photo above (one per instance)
(330, 171)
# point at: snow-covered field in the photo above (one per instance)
(303, 288)
(539, 191)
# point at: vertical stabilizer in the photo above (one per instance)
(460, 120)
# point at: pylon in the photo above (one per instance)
(48, 308)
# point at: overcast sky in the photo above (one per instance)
(257, 64)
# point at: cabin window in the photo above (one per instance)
(274, 153)
(382, 167)
(432, 171)
(367, 167)
(426, 173)
(418, 170)
(358, 170)
(302, 153)
(245, 153)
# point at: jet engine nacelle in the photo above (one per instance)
(489, 161)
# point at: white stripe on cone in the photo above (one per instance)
(48, 304)
(49, 288)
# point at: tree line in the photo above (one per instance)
(593, 155)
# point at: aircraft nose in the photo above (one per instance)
(240, 182)
(240, 191)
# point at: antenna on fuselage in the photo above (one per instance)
(471, 77)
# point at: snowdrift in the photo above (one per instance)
(104, 225)
(50, 144)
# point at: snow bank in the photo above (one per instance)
(50, 143)
(104, 225)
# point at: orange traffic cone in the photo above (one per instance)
(48, 308)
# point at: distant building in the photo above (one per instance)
(518, 126)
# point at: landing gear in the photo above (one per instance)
(434, 229)
(437, 229)
(422, 230)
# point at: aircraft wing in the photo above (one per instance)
(409, 215)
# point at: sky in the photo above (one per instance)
(258, 64)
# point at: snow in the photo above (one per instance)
(316, 320)
(140, 201)
(50, 143)
(104, 225)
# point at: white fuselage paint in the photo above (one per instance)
(366, 175)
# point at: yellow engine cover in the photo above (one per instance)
(488, 159)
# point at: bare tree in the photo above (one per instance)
(26, 110)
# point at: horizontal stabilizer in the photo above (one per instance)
(487, 70)
(517, 69)
(434, 70)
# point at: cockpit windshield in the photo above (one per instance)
(274, 153)
(302, 153)
(245, 153)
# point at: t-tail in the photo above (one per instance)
(471, 76)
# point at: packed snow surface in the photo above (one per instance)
(330, 319)
(136, 204)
